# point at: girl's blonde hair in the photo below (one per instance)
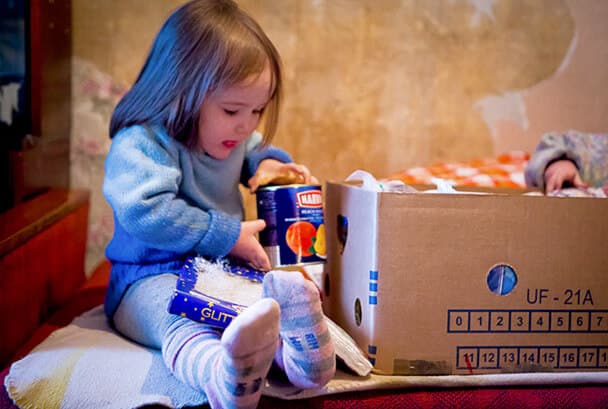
(203, 46)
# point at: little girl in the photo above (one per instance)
(574, 159)
(183, 138)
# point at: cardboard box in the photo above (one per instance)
(469, 284)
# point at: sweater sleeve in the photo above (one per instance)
(255, 153)
(142, 178)
(589, 152)
(551, 147)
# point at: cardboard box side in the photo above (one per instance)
(435, 255)
(351, 258)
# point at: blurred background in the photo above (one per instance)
(378, 85)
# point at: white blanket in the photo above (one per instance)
(88, 365)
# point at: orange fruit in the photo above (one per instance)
(299, 238)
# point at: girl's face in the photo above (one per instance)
(229, 115)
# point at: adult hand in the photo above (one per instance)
(248, 248)
(560, 172)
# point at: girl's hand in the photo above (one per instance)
(272, 171)
(560, 172)
(248, 248)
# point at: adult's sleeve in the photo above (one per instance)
(552, 147)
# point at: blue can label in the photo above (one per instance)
(295, 229)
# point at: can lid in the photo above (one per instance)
(294, 185)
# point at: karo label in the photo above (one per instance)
(310, 198)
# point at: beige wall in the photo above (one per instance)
(380, 85)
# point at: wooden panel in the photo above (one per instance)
(42, 246)
(47, 164)
(42, 160)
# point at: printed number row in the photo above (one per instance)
(573, 357)
(528, 321)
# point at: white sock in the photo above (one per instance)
(306, 353)
(231, 370)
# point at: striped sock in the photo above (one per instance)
(231, 370)
(306, 353)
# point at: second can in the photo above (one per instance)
(295, 229)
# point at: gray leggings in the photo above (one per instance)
(142, 314)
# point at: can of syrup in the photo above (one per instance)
(295, 228)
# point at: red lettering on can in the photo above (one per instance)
(310, 198)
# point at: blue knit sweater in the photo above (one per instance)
(170, 202)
